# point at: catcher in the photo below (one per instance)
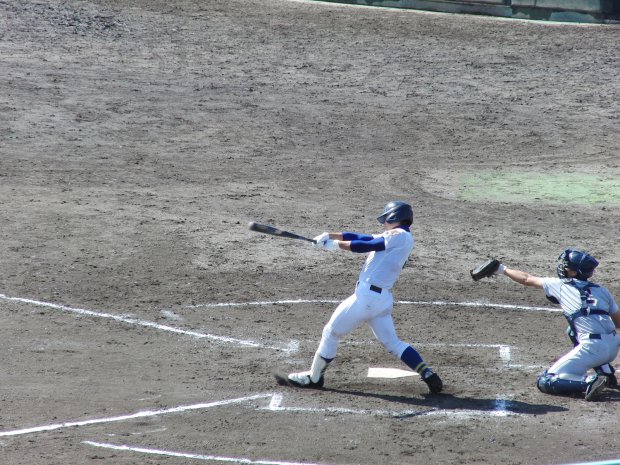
(593, 318)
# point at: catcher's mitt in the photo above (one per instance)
(485, 270)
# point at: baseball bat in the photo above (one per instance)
(273, 231)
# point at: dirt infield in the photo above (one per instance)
(142, 321)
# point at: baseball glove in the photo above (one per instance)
(485, 270)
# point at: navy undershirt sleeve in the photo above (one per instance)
(363, 246)
(352, 236)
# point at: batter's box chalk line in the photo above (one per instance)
(504, 350)
(288, 348)
(500, 408)
(275, 404)
(194, 456)
(437, 303)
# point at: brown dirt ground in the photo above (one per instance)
(139, 137)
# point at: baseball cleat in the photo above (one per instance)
(595, 388)
(434, 383)
(612, 381)
(301, 380)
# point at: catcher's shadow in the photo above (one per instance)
(445, 401)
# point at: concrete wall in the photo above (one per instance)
(587, 11)
(567, 10)
(594, 6)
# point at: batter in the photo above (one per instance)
(372, 301)
(593, 318)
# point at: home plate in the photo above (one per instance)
(389, 373)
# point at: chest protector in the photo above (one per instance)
(587, 302)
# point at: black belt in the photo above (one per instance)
(375, 289)
(598, 336)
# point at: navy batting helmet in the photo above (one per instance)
(396, 212)
(576, 260)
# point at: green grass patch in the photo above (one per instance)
(540, 187)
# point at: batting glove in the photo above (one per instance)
(330, 244)
(321, 237)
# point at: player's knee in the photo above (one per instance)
(330, 336)
(544, 383)
(552, 383)
(329, 343)
(395, 347)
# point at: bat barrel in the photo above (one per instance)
(273, 231)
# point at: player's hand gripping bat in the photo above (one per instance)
(273, 231)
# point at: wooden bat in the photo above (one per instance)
(273, 231)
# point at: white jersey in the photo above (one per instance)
(383, 268)
(570, 300)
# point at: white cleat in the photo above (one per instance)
(303, 380)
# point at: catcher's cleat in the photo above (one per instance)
(434, 383)
(595, 388)
(301, 380)
(612, 382)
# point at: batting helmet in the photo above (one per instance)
(577, 260)
(396, 212)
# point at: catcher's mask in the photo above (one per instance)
(576, 260)
(397, 212)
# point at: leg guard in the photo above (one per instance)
(550, 383)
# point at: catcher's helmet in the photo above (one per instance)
(396, 212)
(577, 260)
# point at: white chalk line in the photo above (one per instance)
(504, 350)
(132, 416)
(188, 455)
(480, 305)
(264, 302)
(442, 303)
(275, 405)
(505, 353)
(500, 408)
(291, 347)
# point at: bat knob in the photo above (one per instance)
(251, 225)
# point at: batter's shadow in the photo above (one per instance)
(447, 401)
